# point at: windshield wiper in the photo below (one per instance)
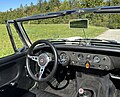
(98, 42)
(87, 42)
(85, 39)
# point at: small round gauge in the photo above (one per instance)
(80, 57)
(64, 59)
(96, 59)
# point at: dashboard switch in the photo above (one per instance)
(87, 65)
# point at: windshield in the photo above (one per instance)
(100, 26)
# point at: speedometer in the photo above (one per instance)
(64, 59)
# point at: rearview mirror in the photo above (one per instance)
(79, 23)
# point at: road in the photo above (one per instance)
(111, 34)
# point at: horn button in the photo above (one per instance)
(43, 60)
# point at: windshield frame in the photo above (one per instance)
(18, 23)
(21, 32)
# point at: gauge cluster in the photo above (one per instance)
(87, 60)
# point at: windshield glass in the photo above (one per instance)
(101, 26)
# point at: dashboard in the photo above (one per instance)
(88, 60)
(101, 59)
(89, 57)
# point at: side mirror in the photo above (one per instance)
(78, 23)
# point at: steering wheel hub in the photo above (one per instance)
(43, 60)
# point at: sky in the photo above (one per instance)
(7, 4)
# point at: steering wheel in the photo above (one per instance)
(42, 61)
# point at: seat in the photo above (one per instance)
(11, 91)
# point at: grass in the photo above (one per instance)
(36, 32)
(5, 45)
(41, 31)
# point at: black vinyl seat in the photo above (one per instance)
(11, 91)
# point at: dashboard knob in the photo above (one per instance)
(96, 59)
(80, 57)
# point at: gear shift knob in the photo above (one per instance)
(81, 91)
(84, 93)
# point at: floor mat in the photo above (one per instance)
(12, 91)
(118, 93)
(69, 91)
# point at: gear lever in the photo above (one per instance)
(84, 93)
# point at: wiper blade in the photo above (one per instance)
(63, 41)
(97, 40)
(90, 40)
(87, 42)
(100, 42)
(57, 40)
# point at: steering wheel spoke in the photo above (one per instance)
(34, 58)
(41, 72)
(57, 85)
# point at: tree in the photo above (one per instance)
(45, 6)
(10, 9)
(65, 5)
(21, 6)
(54, 4)
(31, 4)
(115, 2)
(39, 4)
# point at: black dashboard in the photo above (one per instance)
(99, 58)
(88, 60)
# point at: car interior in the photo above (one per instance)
(51, 68)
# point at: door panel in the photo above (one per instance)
(12, 69)
(8, 74)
